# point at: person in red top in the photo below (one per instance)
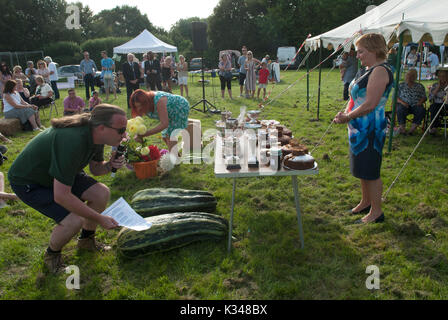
(263, 75)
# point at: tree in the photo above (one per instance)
(124, 21)
(264, 25)
(181, 36)
(28, 24)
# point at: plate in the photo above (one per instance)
(252, 125)
(268, 123)
(313, 168)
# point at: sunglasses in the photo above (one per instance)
(119, 130)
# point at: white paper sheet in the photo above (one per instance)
(122, 212)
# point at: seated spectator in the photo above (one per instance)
(3, 195)
(43, 70)
(437, 95)
(24, 92)
(73, 104)
(4, 139)
(44, 93)
(94, 101)
(411, 96)
(5, 75)
(412, 58)
(18, 74)
(15, 107)
(31, 73)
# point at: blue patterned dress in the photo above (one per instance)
(178, 109)
(367, 133)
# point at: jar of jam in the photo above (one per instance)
(276, 159)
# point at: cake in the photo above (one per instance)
(298, 149)
(284, 140)
(287, 132)
(298, 162)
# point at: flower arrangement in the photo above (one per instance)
(139, 152)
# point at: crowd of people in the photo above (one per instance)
(247, 74)
(56, 185)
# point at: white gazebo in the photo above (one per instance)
(143, 43)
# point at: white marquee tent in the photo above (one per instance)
(397, 20)
(143, 43)
(422, 19)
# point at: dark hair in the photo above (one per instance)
(7, 71)
(9, 86)
(101, 115)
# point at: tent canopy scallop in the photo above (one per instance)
(419, 19)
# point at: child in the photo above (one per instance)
(94, 101)
(263, 75)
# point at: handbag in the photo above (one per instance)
(228, 75)
(108, 76)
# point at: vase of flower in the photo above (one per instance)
(143, 158)
(145, 169)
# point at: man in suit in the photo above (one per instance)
(153, 72)
(131, 74)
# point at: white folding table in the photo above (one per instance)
(262, 171)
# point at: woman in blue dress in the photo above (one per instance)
(366, 121)
(171, 110)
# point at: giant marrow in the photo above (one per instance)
(170, 231)
(155, 201)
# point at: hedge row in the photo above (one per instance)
(66, 52)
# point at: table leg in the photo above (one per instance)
(231, 216)
(296, 199)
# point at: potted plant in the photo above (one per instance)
(142, 157)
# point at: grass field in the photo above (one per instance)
(410, 248)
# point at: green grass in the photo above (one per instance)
(266, 261)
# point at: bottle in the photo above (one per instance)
(276, 159)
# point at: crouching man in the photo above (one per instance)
(48, 176)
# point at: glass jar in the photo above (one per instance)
(276, 159)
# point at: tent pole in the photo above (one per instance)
(320, 77)
(307, 85)
(421, 62)
(394, 100)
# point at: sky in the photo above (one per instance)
(161, 13)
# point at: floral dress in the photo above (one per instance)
(178, 110)
(375, 122)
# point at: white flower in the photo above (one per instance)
(167, 161)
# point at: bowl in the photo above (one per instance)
(253, 115)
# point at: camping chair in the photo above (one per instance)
(51, 105)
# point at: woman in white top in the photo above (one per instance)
(182, 75)
(15, 107)
(44, 93)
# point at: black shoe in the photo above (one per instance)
(377, 220)
(365, 210)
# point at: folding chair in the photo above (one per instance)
(51, 105)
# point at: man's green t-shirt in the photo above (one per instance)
(55, 154)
